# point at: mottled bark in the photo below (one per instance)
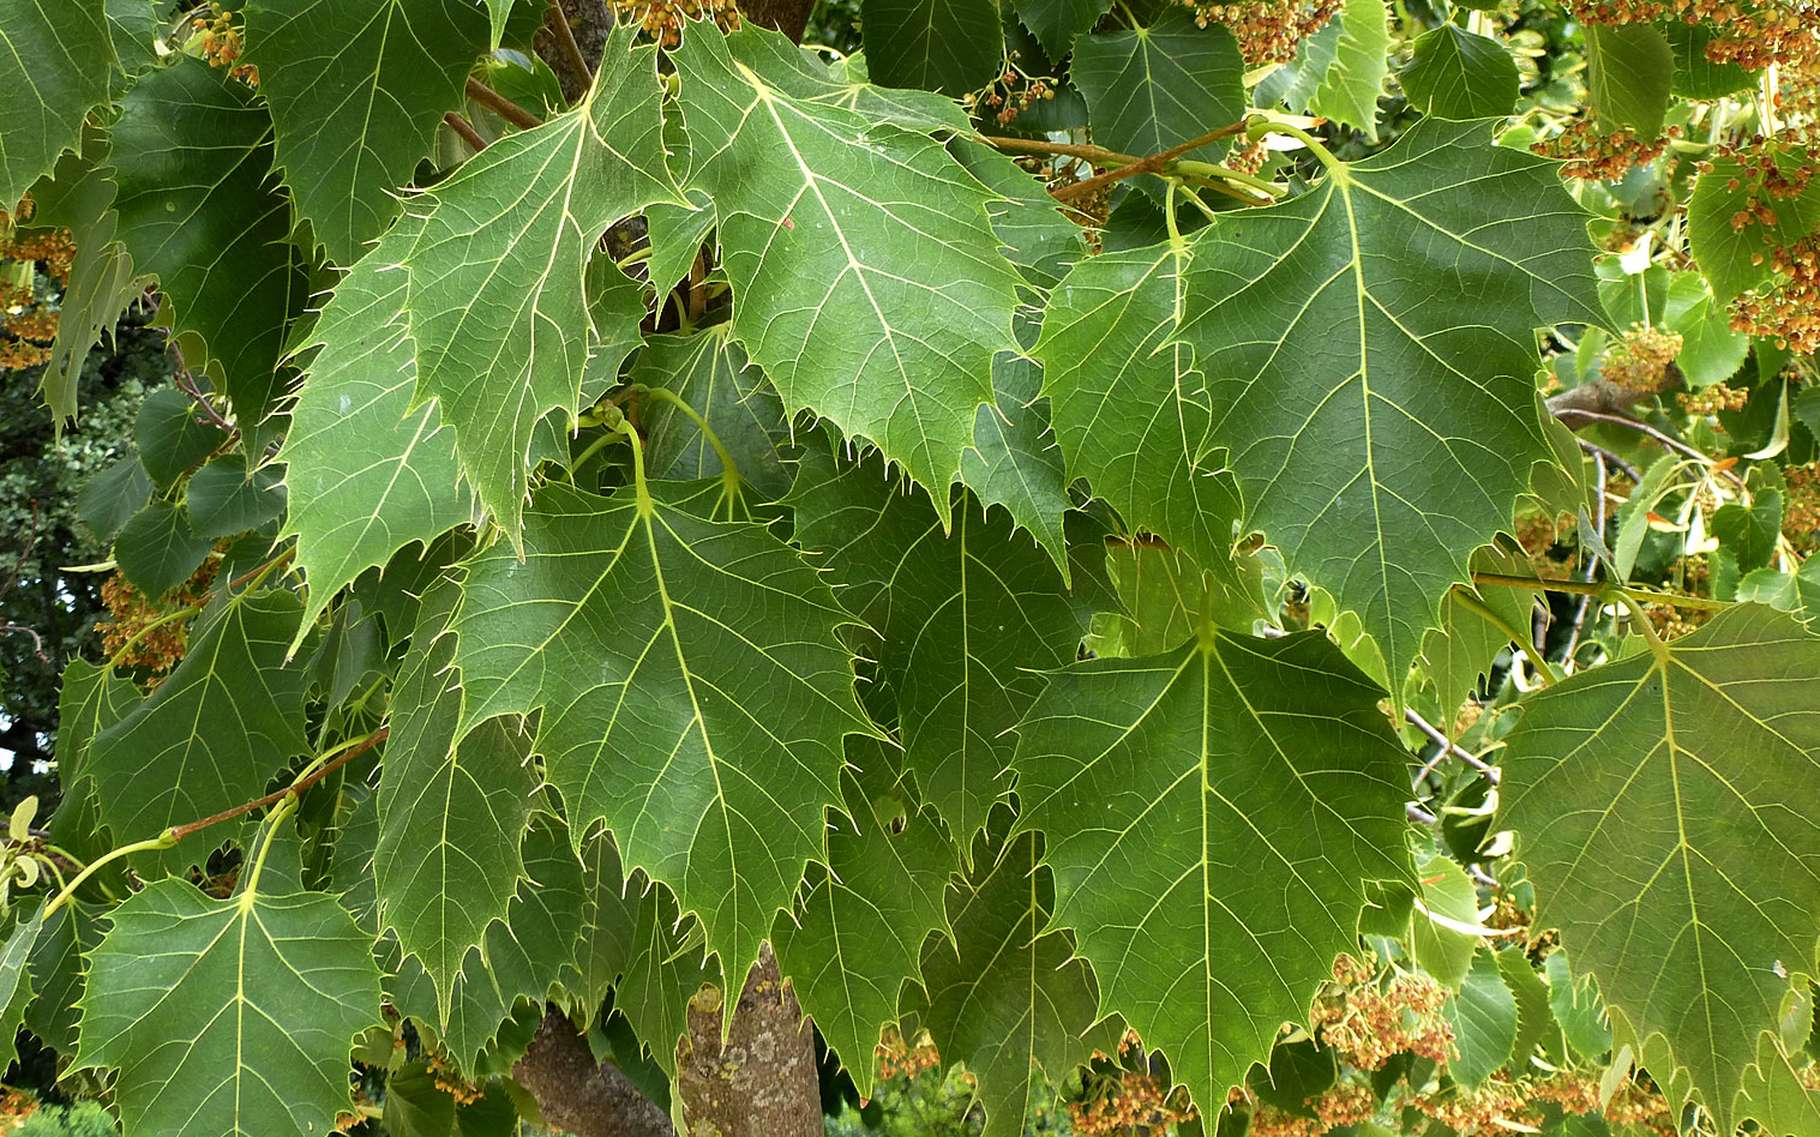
(763, 1082)
(787, 16)
(582, 1096)
(589, 20)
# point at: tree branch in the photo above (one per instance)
(763, 1082)
(577, 1094)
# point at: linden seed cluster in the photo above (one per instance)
(1787, 309)
(896, 1056)
(1591, 153)
(1131, 1102)
(663, 20)
(1268, 31)
(1801, 503)
(222, 44)
(1640, 361)
(164, 646)
(1750, 33)
(1011, 92)
(1344, 1104)
(28, 325)
(1368, 1019)
(1713, 399)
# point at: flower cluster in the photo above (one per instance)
(1490, 1108)
(29, 325)
(663, 20)
(1347, 1103)
(1787, 309)
(1750, 33)
(1010, 93)
(1268, 31)
(896, 1056)
(163, 647)
(1640, 361)
(1588, 151)
(1130, 1102)
(222, 43)
(1801, 502)
(1368, 1019)
(1712, 400)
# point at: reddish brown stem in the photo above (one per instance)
(179, 832)
(500, 105)
(465, 129)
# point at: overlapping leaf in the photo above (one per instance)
(157, 767)
(1455, 73)
(952, 46)
(694, 692)
(1350, 86)
(1005, 996)
(1055, 23)
(496, 299)
(1666, 806)
(1369, 353)
(860, 931)
(1212, 817)
(866, 278)
(366, 475)
(966, 618)
(1150, 88)
(228, 1016)
(452, 810)
(1130, 413)
(200, 210)
(710, 372)
(356, 89)
(56, 66)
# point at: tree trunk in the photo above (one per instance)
(582, 1096)
(787, 16)
(763, 1082)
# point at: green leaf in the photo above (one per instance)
(417, 1106)
(500, 14)
(200, 210)
(1455, 73)
(1006, 996)
(1165, 596)
(1696, 75)
(866, 278)
(496, 300)
(951, 46)
(1353, 81)
(154, 769)
(1664, 806)
(58, 61)
(967, 618)
(1460, 650)
(1537, 1033)
(711, 373)
(356, 89)
(453, 810)
(1151, 88)
(1295, 82)
(232, 1016)
(16, 977)
(223, 500)
(1213, 816)
(79, 196)
(365, 474)
(1483, 1015)
(1577, 1008)
(111, 497)
(1370, 355)
(521, 960)
(58, 972)
(1056, 23)
(157, 550)
(92, 699)
(1130, 414)
(1737, 258)
(860, 931)
(1750, 532)
(609, 917)
(674, 644)
(1629, 69)
(1448, 893)
(172, 436)
(1710, 351)
(665, 968)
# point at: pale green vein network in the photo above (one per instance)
(694, 688)
(1213, 816)
(1667, 810)
(56, 61)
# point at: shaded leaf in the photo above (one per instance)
(1666, 806)
(951, 46)
(710, 372)
(1150, 88)
(157, 550)
(1629, 68)
(1483, 1015)
(58, 61)
(223, 500)
(1455, 73)
(1211, 833)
